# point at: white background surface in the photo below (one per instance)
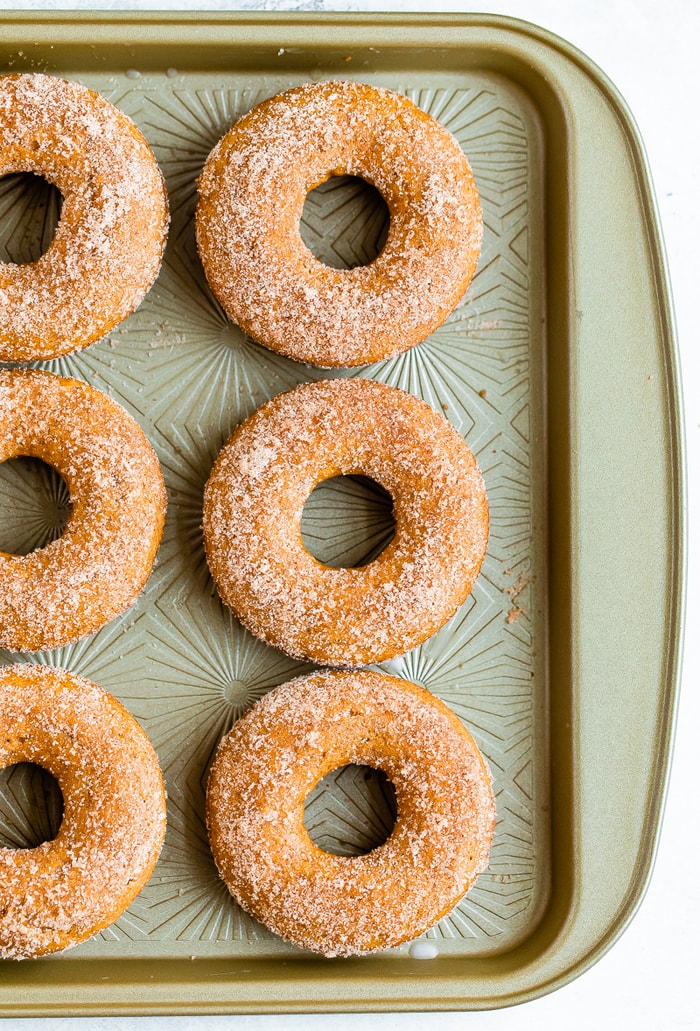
(650, 980)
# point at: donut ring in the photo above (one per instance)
(109, 242)
(253, 504)
(97, 567)
(251, 196)
(281, 748)
(66, 890)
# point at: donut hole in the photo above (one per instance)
(345, 222)
(31, 806)
(34, 505)
(30, 209)
(347, 521)
(351, 811)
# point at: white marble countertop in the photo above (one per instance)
(649, 979)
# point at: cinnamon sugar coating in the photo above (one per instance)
(251, 196)
(98, 566)
(64, 891)
(110, 238)
(255, 496)
(281, 748)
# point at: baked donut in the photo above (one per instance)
(251, 196)
(253, 503)
(96, 568)
(109, 242)
(64, 891)
(281, 748)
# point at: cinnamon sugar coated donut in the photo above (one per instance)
(96, 568)
(109, 242)
(255, 496)
(275, 755)
(66, 890)
(251, 196)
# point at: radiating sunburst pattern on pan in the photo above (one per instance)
(178, 659)
(203, 372)
(360, 220)
(200, 671)
(347, 521)
(351, 811)
(30, 208)
(32, 806)
(34, 505)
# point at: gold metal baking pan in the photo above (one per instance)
(559, 368)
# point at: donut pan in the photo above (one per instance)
(559, 368)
